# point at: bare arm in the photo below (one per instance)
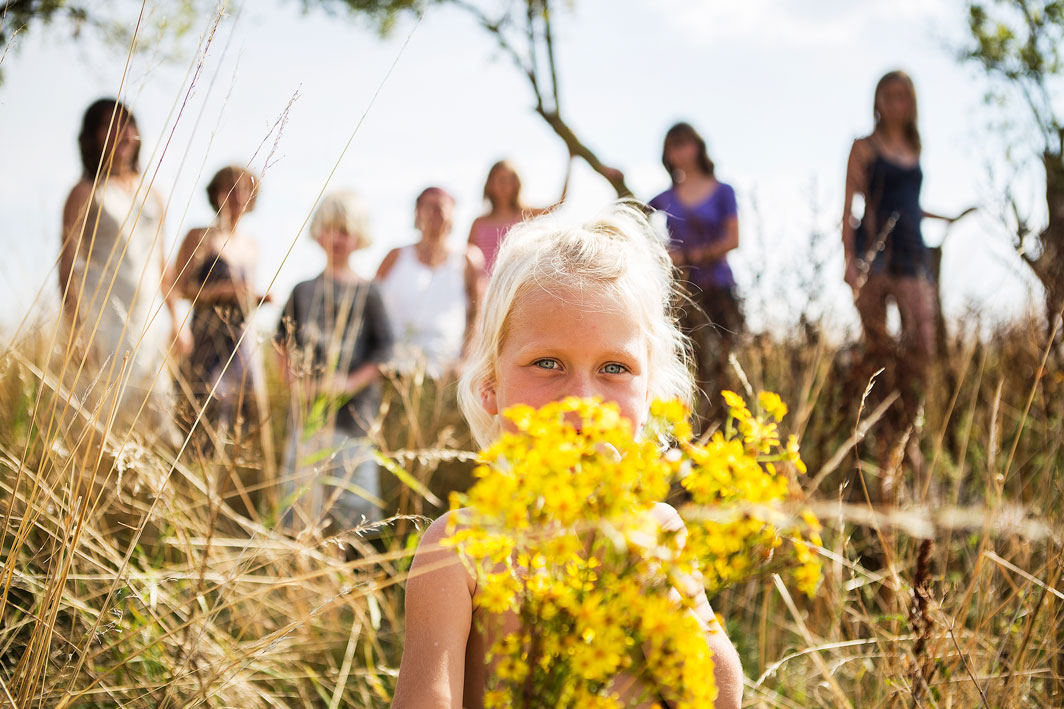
(379, 331)
(714, 252)
(185, 263)
(387, 264)
(472, 230)
(187, 286)
(359, 379)
(856, 169)
(476, 281)
(856, 180)
(727, 668)
(75, 212)
(439, 614)
(943, 217)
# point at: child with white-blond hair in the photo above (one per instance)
(334, 336)
(572, 310)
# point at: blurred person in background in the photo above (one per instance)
(215, 270)
(703, 224)
(886, 257)
(502, 191)
(334, 337)
(431, 290)
(113, 278)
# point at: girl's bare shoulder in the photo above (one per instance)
(667, 516)
(864, 148)
(434, 553)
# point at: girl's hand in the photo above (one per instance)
(181, 340)
(336, 385)
(853, 274)
(963, 214)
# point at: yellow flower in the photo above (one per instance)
(560, 529)
(772, 404)
(792, 454)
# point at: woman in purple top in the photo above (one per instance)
(704, 226)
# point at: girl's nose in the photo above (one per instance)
(581, 385)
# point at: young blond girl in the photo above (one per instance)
(582, 310)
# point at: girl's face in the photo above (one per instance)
(502, 187)
(682, 154)
(895, 103)
(122, 145)
(236, 199)
(338, 245)
(575, 344)
(434, 215)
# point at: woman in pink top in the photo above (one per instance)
(502, 191)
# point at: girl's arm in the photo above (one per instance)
(285, 336)
(439, 613)
(75, 212)
(855, 184)
(714, 252)
(382, 341)
(727, 668)
(476, 281)
(387, 265)
(943, 217)
(359, 379)
(184, 264)
(472, 230)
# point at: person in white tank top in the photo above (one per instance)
(112, 275)
(431, 289)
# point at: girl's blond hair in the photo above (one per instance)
(618, 253)
(342, 211)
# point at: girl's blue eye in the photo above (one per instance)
(546, 363)
(614, 368)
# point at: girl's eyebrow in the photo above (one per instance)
(549, 350)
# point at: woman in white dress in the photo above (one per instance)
(112, 276)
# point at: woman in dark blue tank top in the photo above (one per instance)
(893, 196)
(886, 258)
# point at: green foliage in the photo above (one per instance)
(161, 30)
(382, 13)
(1021, 42)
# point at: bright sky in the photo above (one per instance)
(779, 88)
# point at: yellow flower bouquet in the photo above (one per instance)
(567, 537)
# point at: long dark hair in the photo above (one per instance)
(912, 133)
(99, 115)
(685, 132)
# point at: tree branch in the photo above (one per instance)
(533, 59)
(579, 149)
(550, 55)
(550, 115)
(495, 28)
